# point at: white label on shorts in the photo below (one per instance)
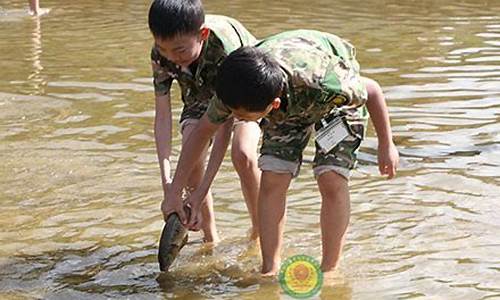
(333, 133)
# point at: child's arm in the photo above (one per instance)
(191, 153)
(388, 156)
(219, 148)
(163, 136)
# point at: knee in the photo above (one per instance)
(243, 159)
(332, 184)
(372, 87)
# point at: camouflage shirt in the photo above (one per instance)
(226, 35)
(321, 74)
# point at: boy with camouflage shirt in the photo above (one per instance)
(188, 48)
(300, 81)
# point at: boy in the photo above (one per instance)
(299, 81)
(189, 48)
(34, 7)
(35, 10)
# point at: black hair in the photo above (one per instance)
(249, 79)
(169, 18)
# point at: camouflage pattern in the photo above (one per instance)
(198, 88)
(345, 154)
(322, 79)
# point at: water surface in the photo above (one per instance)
(80, 188)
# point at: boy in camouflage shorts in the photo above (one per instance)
(300, 82)
(189, 47)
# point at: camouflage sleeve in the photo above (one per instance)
(344, 85)
(162, 81)
(217, 111)
(246, 38)
(342, 79)
(230, 32)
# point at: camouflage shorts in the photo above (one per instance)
(193, 110)
(287, 141)
(238, 122)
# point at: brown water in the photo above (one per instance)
(80, 188)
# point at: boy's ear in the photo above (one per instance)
(204, 33)
(276, 103)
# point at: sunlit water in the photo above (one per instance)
(80, 188)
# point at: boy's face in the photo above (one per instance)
(183, 49)
(245, 115)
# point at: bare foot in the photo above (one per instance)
(250, 251)
(270, 274)
(334, 277)
(269, 277)
(211, 244)
(211, 238)
(207, 248)
(253, 234)
(253, 238)
(254, 245)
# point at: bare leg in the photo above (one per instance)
(335, 211)
(208, 223)
(244, 157)
(207, 209)
(272, 201)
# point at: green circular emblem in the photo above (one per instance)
(300, 276)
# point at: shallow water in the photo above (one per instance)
(80, 188)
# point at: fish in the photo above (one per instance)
(173, 238)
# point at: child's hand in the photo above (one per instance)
(195, 201)
(388, 159)
(172, 202)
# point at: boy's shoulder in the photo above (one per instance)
(318, 64)
(229, 32)
(306, 44)
(303, 54)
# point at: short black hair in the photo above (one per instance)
(169, 18)
(249, 79)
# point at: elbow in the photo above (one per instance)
(372, 88)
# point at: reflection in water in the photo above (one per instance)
(35, 78)
(80, 199)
